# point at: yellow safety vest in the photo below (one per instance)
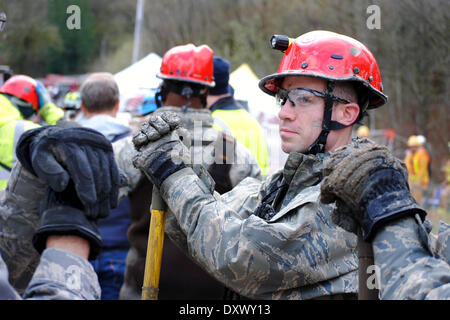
(421, 160)
(12, 125)
(245, 129)
(51, 113)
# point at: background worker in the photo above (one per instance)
(187, 74)
(99, 105)
(72, 106)
(417, 161)
(21, 98)
(233, 119)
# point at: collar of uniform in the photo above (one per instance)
(303, 169)
(300, 172)
(189, 117)
(226, 103)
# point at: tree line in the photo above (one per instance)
(411, 45)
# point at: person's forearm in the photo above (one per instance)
(70, 243)
(19, 219)
(407, 269)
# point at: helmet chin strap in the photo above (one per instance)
(318, 146)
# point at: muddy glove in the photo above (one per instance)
(58, 155)
(369, 186)
(160, 148)
(62, 213)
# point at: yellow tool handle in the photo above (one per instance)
(155, 243)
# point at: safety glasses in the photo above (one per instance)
(302, 97)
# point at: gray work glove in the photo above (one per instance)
(82, 155)
(161, 151)
(369, 186)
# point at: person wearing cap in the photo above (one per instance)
(21, 99)
(187, 74)
(232, 118)
(72, 106)
(292, 236)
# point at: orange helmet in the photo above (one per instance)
(188, 63)
(330, 56)
(22, 87)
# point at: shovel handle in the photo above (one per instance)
(155, 243)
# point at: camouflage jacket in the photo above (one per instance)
(19, 218)
(411, 265)
(203, 145)
(59, 273)
(298, 253)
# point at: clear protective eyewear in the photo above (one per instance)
(302, 97)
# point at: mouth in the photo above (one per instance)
(287, 131)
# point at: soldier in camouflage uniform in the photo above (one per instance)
(292, 246)
(183, 92)
(50, 208)
(275, 239)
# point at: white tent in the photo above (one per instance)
(137, 77)
(262, 106)
(245, 84)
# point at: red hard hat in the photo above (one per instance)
(330, 56)
(188, 63)
(22, 87)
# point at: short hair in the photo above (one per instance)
(99, 92)
(346, 90)
(353, 92)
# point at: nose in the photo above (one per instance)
(287, 111)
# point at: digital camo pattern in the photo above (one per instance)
(123, 153)
(62, 275)
(199, 124)
(203, 137)
(443, 247)
(19, 218)
(58, 271)
(7, 292)
(298, 254)
(408, 269)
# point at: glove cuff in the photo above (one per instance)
(66, 220)
(161, 167)
(388, 198)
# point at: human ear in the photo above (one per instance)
(346, 114)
